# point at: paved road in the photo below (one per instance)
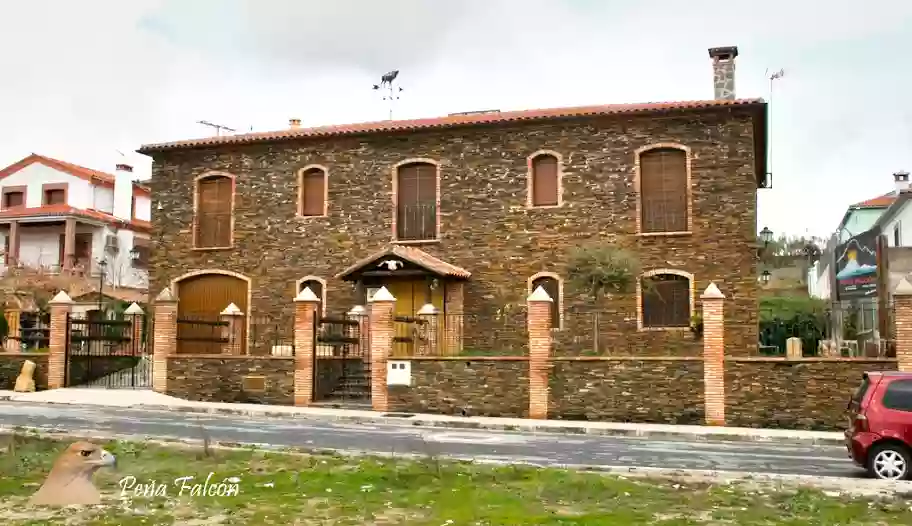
(541, 449)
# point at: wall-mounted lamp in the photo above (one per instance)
(765, 277)
(766, 236)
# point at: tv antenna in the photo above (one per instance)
(774, 76)
(387, 81)
(218, 127)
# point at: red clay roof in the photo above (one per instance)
(877, 202)
(87, 174)
(450, 121)
(66, 210)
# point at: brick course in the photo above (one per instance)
(483, 182)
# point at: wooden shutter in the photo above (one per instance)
(416, 201)
(54, 197)
(313, 192)
(544, 180)
(213, 228)
(666, 301)
(552, 287)
(14, 199)
(663, 190)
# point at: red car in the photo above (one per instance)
(879, 437)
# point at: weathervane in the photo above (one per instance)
(387, 81)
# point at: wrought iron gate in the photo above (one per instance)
(341, 360)
(107, 353)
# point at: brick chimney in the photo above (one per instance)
(901, 180)
(294, 123)
(724, 71)
(123, 192)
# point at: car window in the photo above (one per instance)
(861, 390)
(898, 395)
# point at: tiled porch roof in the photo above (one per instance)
(412, 255)
(119, 293)
(51, 211)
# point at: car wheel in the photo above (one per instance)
(889, 462)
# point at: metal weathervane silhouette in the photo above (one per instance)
(386, 81)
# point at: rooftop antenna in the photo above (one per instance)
(776, 75)
(387, 81)
(218, 127)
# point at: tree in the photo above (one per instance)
(600, 269)
(31, 288)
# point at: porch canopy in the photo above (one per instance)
(399, 261)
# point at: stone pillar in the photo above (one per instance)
(429, 318)
(380, 320)
(69, 244)
(164, 339)
(306, 305)
(539, 327)
(233, 332)
(454, 322)
(713, 355)
(135, 313)
(12, 259)
(902, 314)
(60, 307)
(13, 323)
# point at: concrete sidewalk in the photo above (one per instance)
(147, 399)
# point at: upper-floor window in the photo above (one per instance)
(312, 192)
(665, 301)
(215, 195)
(416, 202)
(663, 190)
(553, 287)
(54, 194)
(545, 180)
(13, 198)
(143, 252)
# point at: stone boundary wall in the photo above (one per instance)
(806, 393)
(221, 378)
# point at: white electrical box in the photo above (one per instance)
(398, 373)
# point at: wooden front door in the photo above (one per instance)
(201, 299)
(410, 296)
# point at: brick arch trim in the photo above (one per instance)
(196, 183)
(639, 295)
(300, 181)
(394, 172)
(560, 292)
(323, 287)
(688, 156)
(560, 177)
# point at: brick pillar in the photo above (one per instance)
(380, 320)
(539, 327)
(713, 355)
(902, 316)
(14, 325)
(306, 305)
(12, 259)
(135, 313)
(234, 317)
(60, 311)
(69, 244)
(454, 321)
(164, 341)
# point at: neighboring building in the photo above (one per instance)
(471, 211)
(62, 217)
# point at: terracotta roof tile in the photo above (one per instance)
(450, 121)
(412, 255)
(66, 210)
(877, 202)
(87, 174)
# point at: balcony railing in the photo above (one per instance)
(416, 222)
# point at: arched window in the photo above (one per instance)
(318, 287)
(416, 202)
(665, 301)
(215, 196)
(663, 190)
(312, 192)
(545, 180)
(553, 287)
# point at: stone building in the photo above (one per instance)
(469, 212)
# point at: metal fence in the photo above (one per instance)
(271, 336)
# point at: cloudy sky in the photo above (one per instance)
(83, 80)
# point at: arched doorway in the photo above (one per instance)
(200, 300)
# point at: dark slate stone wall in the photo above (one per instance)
(220, 379)
(11, 364)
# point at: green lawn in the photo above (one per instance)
(278, 488)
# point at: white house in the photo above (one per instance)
(63, 217)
